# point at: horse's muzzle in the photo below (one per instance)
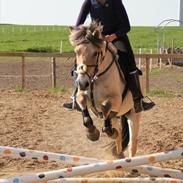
(83, 82)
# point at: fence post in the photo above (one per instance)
(140, 59)
(147, 74)
(61, 46)
(151, 60)
(23, 72)
(53, 73)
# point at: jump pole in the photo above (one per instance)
(97, 167)
(117, 180)
(13, 152)
(110, 180)
(57, 157)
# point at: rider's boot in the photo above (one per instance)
(139, 101)
(73, 104)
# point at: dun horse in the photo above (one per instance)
(100, 87)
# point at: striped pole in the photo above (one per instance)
(97, 167)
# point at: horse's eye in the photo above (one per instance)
(95, 54)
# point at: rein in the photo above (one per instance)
(95, 76)
(97, 43)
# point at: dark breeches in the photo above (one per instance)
(127, 59)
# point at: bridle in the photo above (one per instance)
(100, 57)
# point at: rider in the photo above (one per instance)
(112, 15)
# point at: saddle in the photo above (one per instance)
(120, 46)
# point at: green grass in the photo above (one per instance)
(48, 38)
(58, 89)
(156, 71)
(146, 37)
(34, 38)
(161, 93)
(19, 88)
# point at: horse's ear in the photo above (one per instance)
(96, 33)
(71, 28)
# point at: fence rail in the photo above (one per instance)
(53, 57)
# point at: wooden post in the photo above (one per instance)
(61, 46)
(147, 74)
(53, 73)
(151, 61)
(172, 52)
(140, 59)
(23, 72)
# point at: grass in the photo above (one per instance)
(34, 38)
(48, 38)
(58, 89)
(20, 89)
(156, 72)
(158, 92)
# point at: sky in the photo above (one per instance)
(65, 12)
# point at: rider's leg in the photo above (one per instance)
(133, 78)
(73, 104)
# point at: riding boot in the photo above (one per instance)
(73, 104)
(134, 85)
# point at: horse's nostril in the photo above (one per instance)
(83, 85)
(87, 85)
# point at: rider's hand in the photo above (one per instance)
(110, 38)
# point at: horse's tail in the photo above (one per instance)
(125, 132)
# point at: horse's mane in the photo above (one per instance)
(85, 34)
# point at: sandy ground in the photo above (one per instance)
(36, 120)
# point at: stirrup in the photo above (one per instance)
(141, 105)
(71, 106)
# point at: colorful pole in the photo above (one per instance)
(117, 180)
(43, 156)
(96, 167)
(49, 156)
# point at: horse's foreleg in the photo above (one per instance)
(134, 120)
(92, 132)
(108, 115)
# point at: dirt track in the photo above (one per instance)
(37, 120)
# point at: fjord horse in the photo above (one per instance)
(100, 85)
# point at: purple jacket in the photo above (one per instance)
(112, 15)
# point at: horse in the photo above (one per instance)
(101, 89)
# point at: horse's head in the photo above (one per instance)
(90, 51)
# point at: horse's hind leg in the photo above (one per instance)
(133, 120)
(108, 128)
(117, 125)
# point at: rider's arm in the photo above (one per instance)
(121, 14)
(83, 12)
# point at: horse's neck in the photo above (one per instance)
(114, 73)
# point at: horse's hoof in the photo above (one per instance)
(111, 132)
(93, 135)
